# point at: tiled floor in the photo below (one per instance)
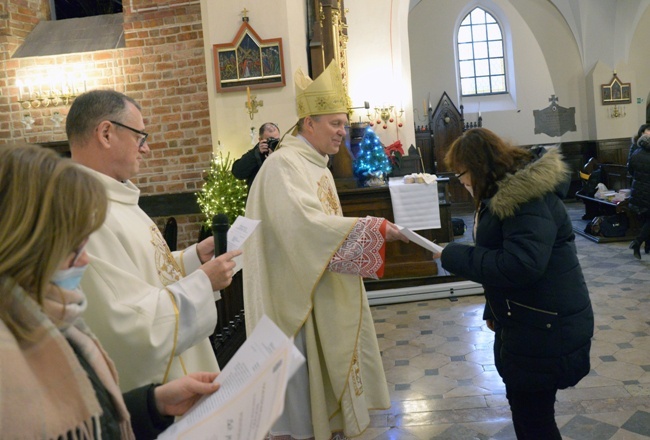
(440, 369)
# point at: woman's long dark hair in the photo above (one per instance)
(487, 158)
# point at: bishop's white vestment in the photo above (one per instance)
(152, 310)
(302, 268)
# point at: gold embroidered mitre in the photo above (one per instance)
(323, 96)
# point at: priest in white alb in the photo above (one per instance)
(303, 267)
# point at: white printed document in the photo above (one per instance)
(240, 230)
(238, 233)
(251, 397)
(420, 240)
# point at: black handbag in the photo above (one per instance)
(614, 226)
(608, 225)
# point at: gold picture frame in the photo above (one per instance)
(616, 92)
(248, 61)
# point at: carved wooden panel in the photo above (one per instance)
(424, 143)
(446, 125)
(613, 151)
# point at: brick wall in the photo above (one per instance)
(188, 228)
(162, 67)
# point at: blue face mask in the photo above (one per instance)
(69, 278)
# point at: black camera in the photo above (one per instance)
(272, 143)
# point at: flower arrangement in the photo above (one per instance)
(395, 152)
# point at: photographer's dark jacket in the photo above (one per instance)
(247, 166)
(639, 168)
(525, 258)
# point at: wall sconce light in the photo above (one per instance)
(30, 96)
(56, 119)
(252, 104)
(446, 118)
(27, 121)
(617, 112)
(366, 105)
(386, 114)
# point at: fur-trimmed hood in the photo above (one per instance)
(549, 173)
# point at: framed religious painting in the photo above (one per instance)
(616, 92)
(248, 61)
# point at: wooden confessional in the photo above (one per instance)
(446, 124)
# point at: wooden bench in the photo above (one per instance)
(615, 178)
(596, 207)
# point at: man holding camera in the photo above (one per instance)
(247, 166)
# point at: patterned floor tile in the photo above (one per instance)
(439, 363)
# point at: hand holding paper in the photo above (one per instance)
(251, 396)
(420, 240)
(393, 233)
(240, 230)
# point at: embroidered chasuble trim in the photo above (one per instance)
(182, 263)
(363, 251)
(328, 198)
(173, 353)
(169, 270)
(354, 369)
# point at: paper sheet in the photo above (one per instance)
(252, 392)
(416, 206)
(420, 240)
(238, 233)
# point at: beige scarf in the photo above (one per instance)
(44, 391)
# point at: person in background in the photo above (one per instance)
(644, 129)
(525, 257)
(153, 310)
(304, 266)
(56, 381)
(638, 166)
(247, 166)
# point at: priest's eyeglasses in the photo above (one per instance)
(140, 132)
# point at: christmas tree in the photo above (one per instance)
(371, 165)
(222, 192)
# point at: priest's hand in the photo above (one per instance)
(176, 397)
(393, 233)
(205, 249)
(220, 270)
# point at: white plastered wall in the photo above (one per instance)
(373, 29)
(639, 61)
(379, 64)
(432, 27)
(230, 122)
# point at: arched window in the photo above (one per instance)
(481, 62)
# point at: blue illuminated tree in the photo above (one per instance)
(371, 165)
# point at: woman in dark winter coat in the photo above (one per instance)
(525, 257)
(644, 129)
(638, 165)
